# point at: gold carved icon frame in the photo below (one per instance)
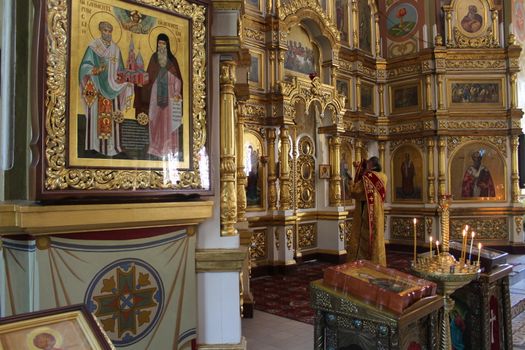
(483, 94)
(122, 100)
(407, 175)
(68, 327)
(405, 97)
(477, 172)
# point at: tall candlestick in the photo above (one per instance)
(479, 252)
(430, 247)
(415, 240)
(471, 242)
(437, 248)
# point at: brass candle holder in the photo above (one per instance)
(448, 273)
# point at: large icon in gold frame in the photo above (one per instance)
(125, 97)
(407, 174)
(477, 173)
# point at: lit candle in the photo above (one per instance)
(479, 252)
(415, 240)
(430, 247)
(471, 242)
(464, 246)
(462, 258)
(437, 248)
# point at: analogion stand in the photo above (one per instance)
(343, 321)
(484, 307)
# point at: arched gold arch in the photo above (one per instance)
(293, 12)
(298, 89)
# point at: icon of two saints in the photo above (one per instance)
(108, 87)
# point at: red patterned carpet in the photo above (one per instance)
(288, 295)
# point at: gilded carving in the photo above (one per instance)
(473, 124)
(420, 143)
(405, 128)
(307, 236)
(403, 227)
(228, 196)
(518, 220)
(428, 223)
(342, 232)
(254, 34)
(291, 7)
(284, 171)
(258, 245)
(60, 177)
(289, 238)
(485, 227)
(255, 110)
(272, 171)
(463, 41)
(228, 166)
(475, 64)
(404, 70)
(366, 71)
(499, 142)
(348, 230)
(305, 175)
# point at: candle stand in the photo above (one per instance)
(448, 273)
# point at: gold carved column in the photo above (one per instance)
(272, 173)
(441, 103)
(431, 175)
(284, 176)
(272, 69)
(377, 36)
(514, 142)
(428, 84)
(448, 19)
(358, 93)
(228, 199)
(495, 27)
(358, 149)
(441, 166)
(335, 177)
(355, 22)
(280, 65)
(513, 91)
(381, 89)
(241, 175)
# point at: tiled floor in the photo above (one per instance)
(269, 332)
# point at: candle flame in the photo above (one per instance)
(466, 227)
(415, 221)
(479, 245)
(473, 234)
(430, 238)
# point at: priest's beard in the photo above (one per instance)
(162, 54)
(106, 38)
